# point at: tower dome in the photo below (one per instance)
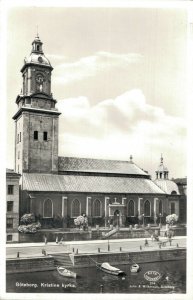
(37, 56)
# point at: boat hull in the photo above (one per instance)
(112, 272)
(66, 273)
(134, 268)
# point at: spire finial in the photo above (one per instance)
(37, 32)
(161, 159)
(131, 158)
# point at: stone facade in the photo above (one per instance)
(12, 199)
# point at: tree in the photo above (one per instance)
(171, 219)
(28, 224)
(81, 221)
(27, 219)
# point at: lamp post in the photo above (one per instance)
(108, 245)
(143, 220)
(160, 216)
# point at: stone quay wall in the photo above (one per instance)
(23, 265)
(35, 264)
(122, 258)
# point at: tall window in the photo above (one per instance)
(35, 135)
(160, 207)
(10, 190)
(20, 136)
(48, 208)
(75, 208)
(9, 222)
(97, 208)
(9, 206)
(45, 136)
(172, 208)
(147, 208)
(131, 209)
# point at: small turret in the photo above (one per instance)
(162, 172)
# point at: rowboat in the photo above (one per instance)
(134, 268)
(66, 273)
(106, 267)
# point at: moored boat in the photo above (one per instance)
(66, 273)
(134, 268)
(106, 267)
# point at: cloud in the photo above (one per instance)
(92, 65)
(116, 128)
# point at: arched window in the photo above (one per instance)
(97, 208)
(160, 207)
(48, 208)
(131, 208)
(147, 208)
(75, 208)
(38, 47)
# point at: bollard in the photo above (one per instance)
(160, 246)
(18, 254)
(140, 247)
(108, 247)
(120, 249)
(98, 250)
(177, 245)
(72, 249)
(101, 288)
(76, 251)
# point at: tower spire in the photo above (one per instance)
(161, 159)
(37, 35)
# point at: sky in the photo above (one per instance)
(119, 79)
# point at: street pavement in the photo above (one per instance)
(130, 245)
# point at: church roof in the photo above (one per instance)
(99, 166)
(167, 186)
(90, 184)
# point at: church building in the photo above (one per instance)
(62, 188)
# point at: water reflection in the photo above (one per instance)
(91, 280)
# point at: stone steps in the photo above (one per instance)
(110, 233)
(62, 259)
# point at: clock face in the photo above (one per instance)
(39, 78)
(40, 59)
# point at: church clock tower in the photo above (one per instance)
(36, 121)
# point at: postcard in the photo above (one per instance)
(96, 112)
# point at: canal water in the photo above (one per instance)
(157, 278)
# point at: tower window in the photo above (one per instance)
(38, 47)
(10, 190)
(35, 135)
(45, 136)
(20, 136)
(172, 208)
(9, 222)
(9, 206)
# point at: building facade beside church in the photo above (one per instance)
(62, 188)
